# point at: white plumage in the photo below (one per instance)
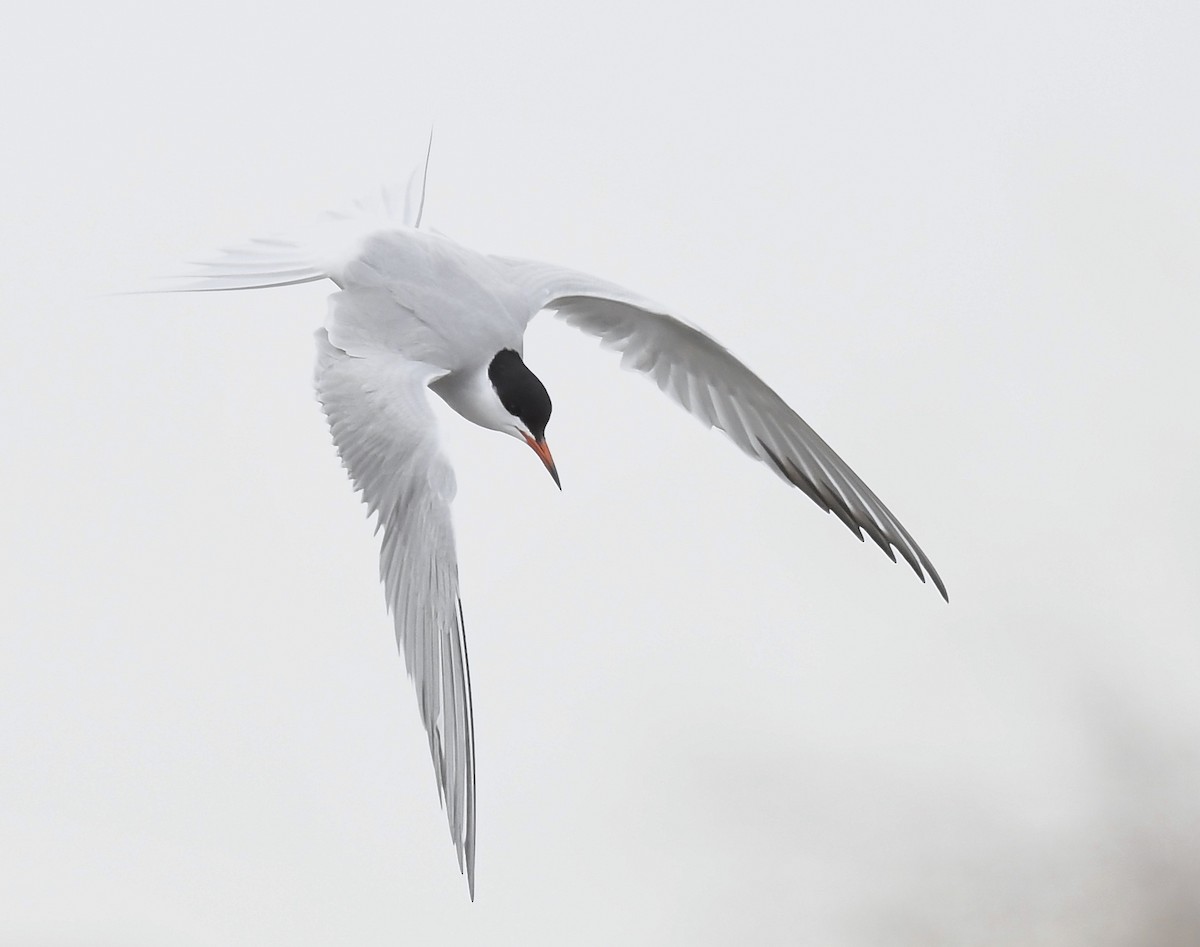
(416, 311)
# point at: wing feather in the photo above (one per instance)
(383, 426)
(720, 391)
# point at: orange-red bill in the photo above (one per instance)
(543, 451)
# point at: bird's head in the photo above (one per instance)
(526, 403)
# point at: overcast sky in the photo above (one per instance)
(960, 239)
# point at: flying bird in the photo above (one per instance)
(416, 312)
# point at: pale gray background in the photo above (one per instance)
(961, 240)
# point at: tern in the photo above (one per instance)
(416, 312)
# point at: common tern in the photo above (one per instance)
(417, 312)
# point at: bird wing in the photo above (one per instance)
(378, 408)
(721, 392)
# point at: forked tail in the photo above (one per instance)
(315, 253)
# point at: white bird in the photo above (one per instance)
(415, 312)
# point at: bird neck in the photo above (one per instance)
(470, 393)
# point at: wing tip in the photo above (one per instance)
(831, 502)
(938, 584)
(920, 559)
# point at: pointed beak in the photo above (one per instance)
(540, 448)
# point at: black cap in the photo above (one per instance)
(520, 391)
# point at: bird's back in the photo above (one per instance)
(426, 297)
(404, 290)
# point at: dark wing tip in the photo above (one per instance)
(830, 501)
(469, 841)
(924, 561)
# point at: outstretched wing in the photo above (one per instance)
(721, 392)
(385, 431)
